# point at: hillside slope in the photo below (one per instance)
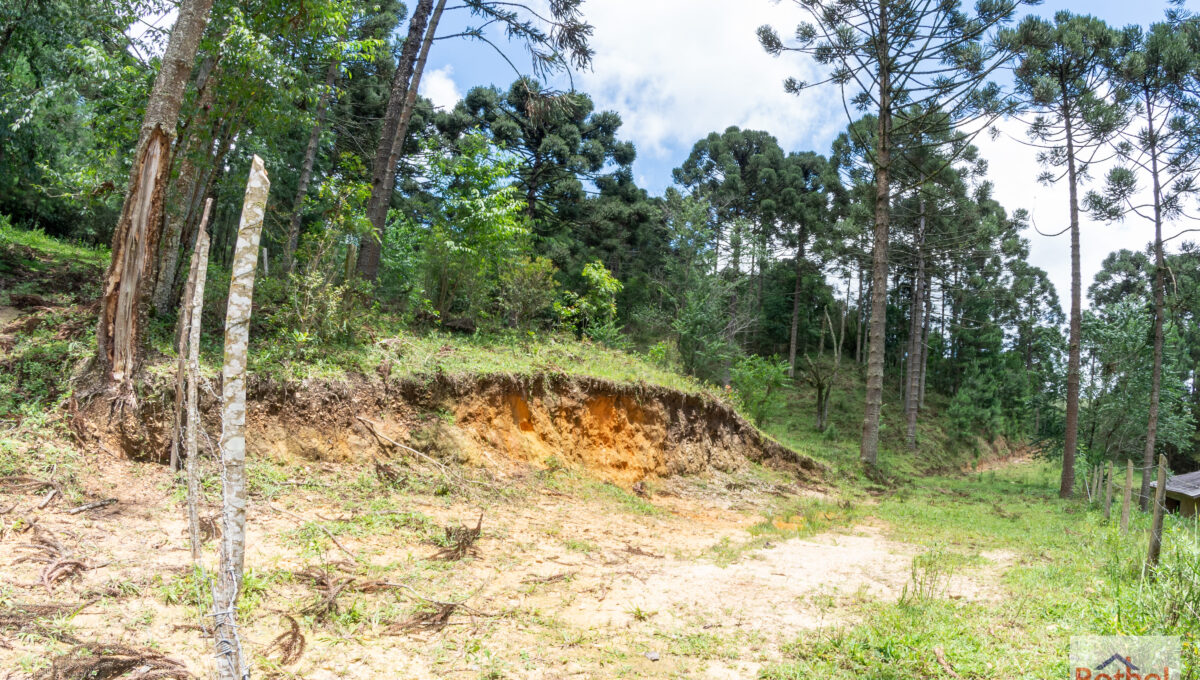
(430, 505)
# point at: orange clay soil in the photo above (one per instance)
(621, 433)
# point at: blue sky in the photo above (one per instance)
(678, 69)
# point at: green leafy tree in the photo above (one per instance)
(562, 144)
(594, 312)
(474, 231)
(1154, 72)
(759, 383)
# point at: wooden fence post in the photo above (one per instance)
(1108, 493)
(1128, 496)
(230, 664)
(194, 304)
(1156, 527)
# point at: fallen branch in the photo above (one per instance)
(941, 659)
(461, 541)
(327, 531)
(46, 501)
(61, 570)
(289, 644)
(436, 616)
(92, 506)
(25, 482)
(98, 660)
(437, 463)
(329, 588)
(546, 580)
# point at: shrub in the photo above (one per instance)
(759, 383)
(526, 291)
(594, 313)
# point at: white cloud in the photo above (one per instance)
(1014, 169)
(440, 88)
(679, 69)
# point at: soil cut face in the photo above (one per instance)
(620, 433)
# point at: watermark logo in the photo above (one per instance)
(1116, 657)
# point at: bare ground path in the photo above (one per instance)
(561, 584)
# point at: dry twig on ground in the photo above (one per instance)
(460, 541)
(328, 587)
(290, 643)
(96, 661)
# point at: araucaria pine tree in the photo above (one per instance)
(919, 66)
(1059, 75)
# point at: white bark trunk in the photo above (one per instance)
(233, 423)
(194, 309)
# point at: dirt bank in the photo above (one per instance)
(621, 433)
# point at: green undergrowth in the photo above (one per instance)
(32, 262)
(1059, 569)
(384, 346)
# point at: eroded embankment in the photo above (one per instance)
(621, 433)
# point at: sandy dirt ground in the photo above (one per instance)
(562, 583)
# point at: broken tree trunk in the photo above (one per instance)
(233, 424)
(126, 296)
(1156, 527)
(180, 199)
(194, 307)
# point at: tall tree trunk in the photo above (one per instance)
(1159, 270)
(230, 664)
(124, 306)
(925, 328)
(180, 193)
(310, 157)
(1156, 524)
(912, 392)
(205, 187)
(859, 318)
(1067, 483)
(869, 451)
(391, 136)
(801, 237)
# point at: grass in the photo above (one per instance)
(1071, 573)
(32, 255)
(1066, 571)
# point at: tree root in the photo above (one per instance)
(289, 645)
(96, 661)
(461, 540)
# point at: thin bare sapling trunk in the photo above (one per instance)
(230, 665)
(1108, 492)
(1128, 496)
(194, 310)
